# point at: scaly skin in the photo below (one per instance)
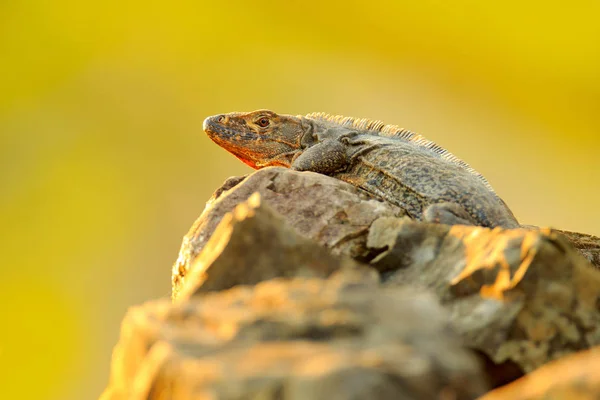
(393, 164)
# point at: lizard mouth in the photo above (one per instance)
(220, 132)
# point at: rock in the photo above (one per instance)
(252, 244)
(575, 377)
(333, 213)
(519, 295)
(587, 245)
(341, 338)
(298, 286)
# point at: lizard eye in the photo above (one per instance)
(263, 122)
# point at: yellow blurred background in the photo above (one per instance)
(105, 166)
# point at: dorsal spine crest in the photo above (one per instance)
(376, 127)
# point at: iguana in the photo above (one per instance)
(394, 164)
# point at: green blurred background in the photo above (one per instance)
(105, 166)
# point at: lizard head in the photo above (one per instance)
(259, 138)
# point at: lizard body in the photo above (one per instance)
(394, 164)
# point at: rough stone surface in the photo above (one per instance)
(252, 244)
(576, 377)
(520, 295)
(299, 286)
(523, 295)
(588, 245)
(333, 213)
(341, 338)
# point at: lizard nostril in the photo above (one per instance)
(220, 118)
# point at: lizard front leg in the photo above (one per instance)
(449, 214)
(325, 157)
